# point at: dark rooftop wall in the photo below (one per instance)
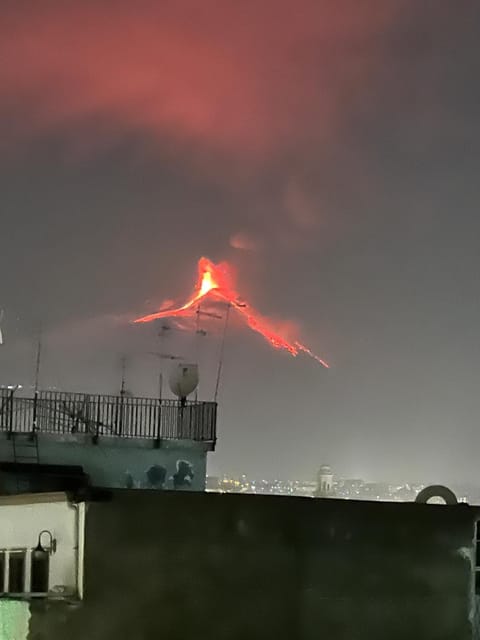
(194, 566)
(115, 462)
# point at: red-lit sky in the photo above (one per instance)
(327, 149)
(250, 78)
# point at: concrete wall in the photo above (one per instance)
(124, 462)
(217, 567)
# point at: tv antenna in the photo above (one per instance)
(123, 366)
(39, 358)
(207, 314)
(222, 351)
(162, 357)
(164, 329)
(202, 332)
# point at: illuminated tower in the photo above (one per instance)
(324, 482)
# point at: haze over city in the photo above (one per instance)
(327, 151)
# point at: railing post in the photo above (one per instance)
(34, 418)
(204, 425)
(97, 421)
(191, 419)
(213, 424)
(180, 418)
(158, 438)
(10, 417)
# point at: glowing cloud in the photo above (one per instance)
(248, 77)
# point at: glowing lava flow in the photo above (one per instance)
(215, 281)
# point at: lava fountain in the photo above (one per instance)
(216, 282)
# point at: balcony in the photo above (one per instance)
(104, 416)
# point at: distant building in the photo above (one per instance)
(324, 482)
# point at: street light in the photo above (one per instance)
(40, 567)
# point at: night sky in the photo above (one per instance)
(329, 150)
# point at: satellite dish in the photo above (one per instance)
(183, 379)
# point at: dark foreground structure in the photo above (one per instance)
(189, 566)
(151, 556)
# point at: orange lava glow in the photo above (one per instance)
(215, 281)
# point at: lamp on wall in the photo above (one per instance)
(40, 550)
(40, 569)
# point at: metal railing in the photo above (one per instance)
(102, 415)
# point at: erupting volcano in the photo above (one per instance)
(215, 281)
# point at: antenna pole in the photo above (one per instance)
(39, 359)
(197, 328)
(222, 350)
(197, 343)
(124, 366)
(161, 336)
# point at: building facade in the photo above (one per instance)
(41, 546)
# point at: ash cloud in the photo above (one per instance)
(249, 78)
(231, 92)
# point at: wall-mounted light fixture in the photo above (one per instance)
(40, 569)
(40, 550)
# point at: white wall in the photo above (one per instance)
(21, 522)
